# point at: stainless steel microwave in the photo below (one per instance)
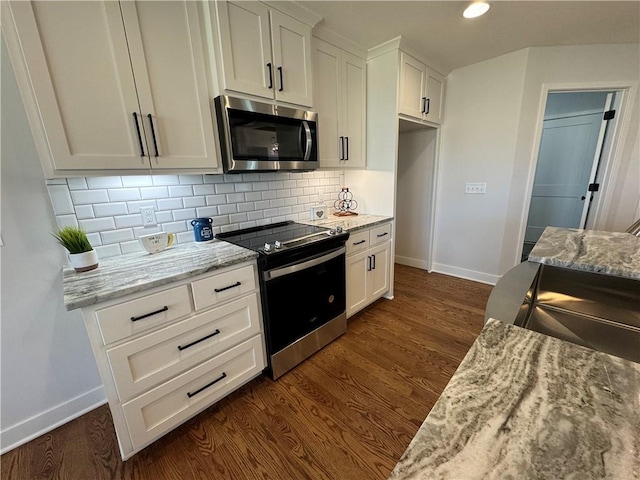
(256, 136)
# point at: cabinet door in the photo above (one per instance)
(246, 48)
(354, 110)
(292, 59)
(357, 276)
(169, 68)
(435, 86)
(379, 274)
(80, 77)
(326, 92)
(412, 86)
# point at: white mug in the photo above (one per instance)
(156, 242)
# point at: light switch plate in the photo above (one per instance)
(475, 188)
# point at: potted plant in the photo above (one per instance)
(81, 254)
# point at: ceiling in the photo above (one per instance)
(438, 30)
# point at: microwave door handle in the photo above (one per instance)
(307, 132)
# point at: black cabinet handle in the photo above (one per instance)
(382, 234)
(424, 105)
(374, 262)
(369, 263)
(153, 134)
(163, 309)
(281, 81)
(347, 149)
(184, 347)
(193, 394)
(427, 106)
(135, 121)
(270, 67)
(218, 290)
(360, 242)
(583, 198)
(341, 148)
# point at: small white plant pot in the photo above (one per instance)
(85, 261)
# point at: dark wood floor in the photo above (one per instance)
(349, 412)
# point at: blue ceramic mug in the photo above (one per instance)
(202, 229)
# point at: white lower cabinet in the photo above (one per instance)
(166, 354)
(368, 266)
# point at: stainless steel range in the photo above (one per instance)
(302, 284)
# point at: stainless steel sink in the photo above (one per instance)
(597, 311)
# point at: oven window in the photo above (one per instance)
(256, 136)
(300, 302)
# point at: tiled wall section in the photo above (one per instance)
(108, 208)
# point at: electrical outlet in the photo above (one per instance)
(475, 188)
(148, 216)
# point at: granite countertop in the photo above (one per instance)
(349, 223)
(525, 405)
(610, 253)
(119, 276)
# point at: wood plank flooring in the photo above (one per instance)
(349, 412)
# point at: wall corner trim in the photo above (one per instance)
(481, 277)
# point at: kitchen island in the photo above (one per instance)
(526, 405)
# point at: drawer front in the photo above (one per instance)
(222, 287)
(154, 413)
(150, 360)
(357, 242)
(130, 318)
(380, 234)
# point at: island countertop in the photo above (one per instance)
(525, 405)
(609, 253)
(119, 276)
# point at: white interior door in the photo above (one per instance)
(565, 165)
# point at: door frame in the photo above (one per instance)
(612, 150)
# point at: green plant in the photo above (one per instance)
(73, 239)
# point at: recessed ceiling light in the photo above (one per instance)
(475, 10)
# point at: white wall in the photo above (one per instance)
(416, 155)
(48, 373)
(479, 135)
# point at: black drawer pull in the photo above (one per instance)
(369, 263)
(281, 81)
(184, 347)
(193, 394)
(382, 234)
(360, 242)
(374, 262)
(270, 75)
(218, 290)
(163, 309)
(135, 121)
(153, 134)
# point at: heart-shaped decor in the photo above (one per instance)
(319, 213)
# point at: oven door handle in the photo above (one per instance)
(304, 125)
(297, 267)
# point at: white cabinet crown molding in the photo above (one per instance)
(295, 10)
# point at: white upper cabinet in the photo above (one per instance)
(420, 90)
(264, 53)
(340, 100)
(91, 75)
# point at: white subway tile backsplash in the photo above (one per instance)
(85, 197)
(123, 194)
(55, 181)
(110, 209)
(95, 183)
(137, 181)
(97, 224)
(154, 192)
(84, 211)
(60, 199)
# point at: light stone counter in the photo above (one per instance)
(119, 276)
(525, 405)
(610, 253)
(349, 223)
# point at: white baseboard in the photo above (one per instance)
(468, 274)
(44, 422)
(412, 262)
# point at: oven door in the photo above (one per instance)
(302, 297)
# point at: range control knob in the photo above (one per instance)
(267, 247)
(332, 231)
(339, 229)
(277, 244)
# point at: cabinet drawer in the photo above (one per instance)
(150, 360)
(357, 242)
(138, 315)
(224, 286)
(161, 409)
(380, 234)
